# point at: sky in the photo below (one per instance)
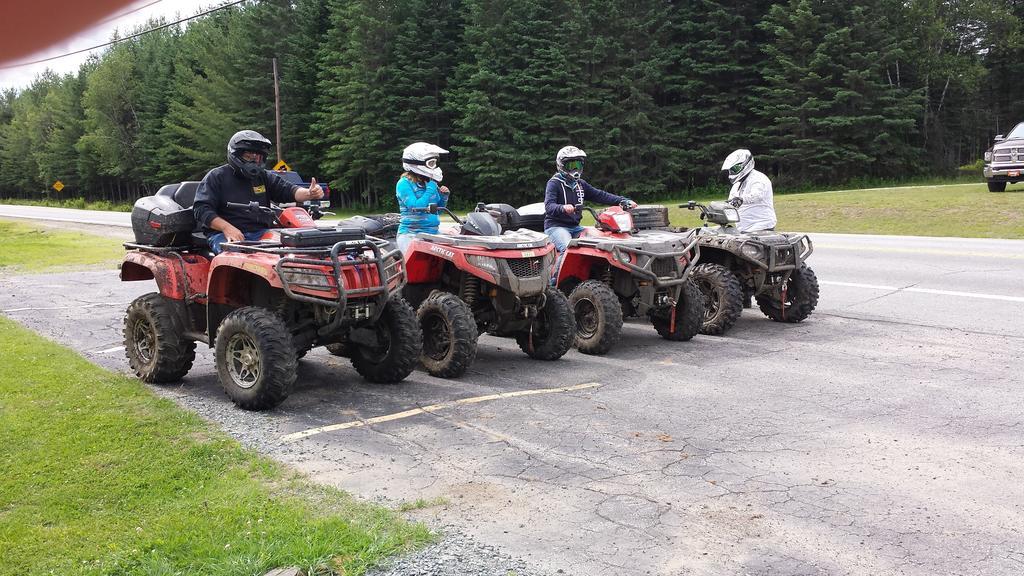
(123, 21)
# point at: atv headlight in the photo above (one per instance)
(485, 262)
(988, 156)
(623, 256)
(305, 277)
(752, 251)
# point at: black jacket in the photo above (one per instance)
(224, 184)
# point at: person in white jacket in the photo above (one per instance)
(751, 192)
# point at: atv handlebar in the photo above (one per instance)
(433, 208)
(274, 210)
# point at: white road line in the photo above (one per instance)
(429, 409)
(109, 350)
(926, 291)
(930, 251)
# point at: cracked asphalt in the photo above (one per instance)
(883, 435)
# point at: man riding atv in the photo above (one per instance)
(241, 181)
(751, 192)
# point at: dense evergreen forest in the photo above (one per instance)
(656, 92)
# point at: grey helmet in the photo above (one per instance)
(247, 140)
(738, 164)
(575, 159)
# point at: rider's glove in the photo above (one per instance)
(736, 202)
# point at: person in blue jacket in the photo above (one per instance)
(567, 189)
(417, 189)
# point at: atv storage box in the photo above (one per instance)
(314, 237)
(160, 221)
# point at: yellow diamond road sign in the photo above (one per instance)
(58, 185)
(282, 166)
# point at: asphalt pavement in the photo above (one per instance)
(884, 435)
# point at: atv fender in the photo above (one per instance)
(178, 276)
(578, 262)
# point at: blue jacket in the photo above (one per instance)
(411, 195)
(562, 190)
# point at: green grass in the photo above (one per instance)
(967, 210)
(24, 248)
(79, 203)
(99, 476)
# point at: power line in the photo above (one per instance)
(133, 36)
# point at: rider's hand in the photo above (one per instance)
(736, 202)
(314, 192)
(444, 190)
(233, 234)
(631, 204)
(568, 208)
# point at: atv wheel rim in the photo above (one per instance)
(437, 337)
(243, 361)
(378, 354)
(711, 300)
(145, 340)
(587, 318)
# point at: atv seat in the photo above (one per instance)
(185, 195)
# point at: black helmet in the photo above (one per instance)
(248, 140)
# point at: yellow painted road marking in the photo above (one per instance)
(936, 251)
(430, 409)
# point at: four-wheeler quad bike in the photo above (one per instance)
(609, 273)
(261, 305)
(476, 279)
(770, 266)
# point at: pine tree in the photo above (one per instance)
(829, 110)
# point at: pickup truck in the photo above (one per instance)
(294, 178)
(1004, 161)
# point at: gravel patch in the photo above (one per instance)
(457, 554)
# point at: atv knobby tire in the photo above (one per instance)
(449, 335)
(598, 316)
(649, 216)
(801, 298)
(689, 312)
(157, 349)
(722, 296)
(553, 331)
(401, 341)
(997, 186)
(255, 358)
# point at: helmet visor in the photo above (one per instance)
(736, 168)
(574, 164)
(430, 163)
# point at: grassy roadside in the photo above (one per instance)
(965, 210)
(25, 248)
(99, 476)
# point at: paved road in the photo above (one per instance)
(885, 435)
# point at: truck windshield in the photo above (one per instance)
(1017, 132)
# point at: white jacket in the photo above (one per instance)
(758, 209)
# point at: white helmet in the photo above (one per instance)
(421, 158)
(575, 157)
(738, 164)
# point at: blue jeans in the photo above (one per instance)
(215, 240)
(560, 236)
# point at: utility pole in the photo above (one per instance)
(277, 112)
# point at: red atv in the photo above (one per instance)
(262, 305)
(477, 279)
(610, 273)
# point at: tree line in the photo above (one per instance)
(656, 92)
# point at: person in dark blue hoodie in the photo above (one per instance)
(566, 190)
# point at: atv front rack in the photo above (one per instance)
(626, 255)
(293, 268)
